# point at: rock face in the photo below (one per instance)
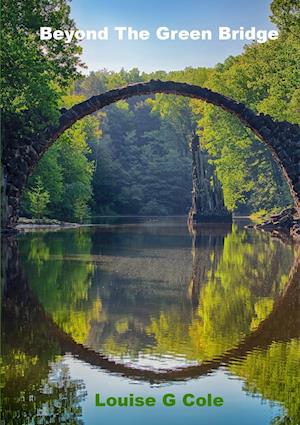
(21, 155)
(287, 222)
(207, 195)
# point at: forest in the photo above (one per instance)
(133, 158)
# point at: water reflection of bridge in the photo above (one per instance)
(24, 314)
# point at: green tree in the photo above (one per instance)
(39, 199)
(266, 78)
(66, 170)
(35, 76)
(286, 15)
(35, 71)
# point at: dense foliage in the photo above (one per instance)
(134, 157)
(142, 161)
(286, 15)
(245, 168)
(36, 76)
(65, 173)
(35, 72)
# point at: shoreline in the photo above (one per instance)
(36, 224)
(283, 225)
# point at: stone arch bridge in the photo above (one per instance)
(20, 159)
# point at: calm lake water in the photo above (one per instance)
(140, 306)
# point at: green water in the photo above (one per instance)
(142, 307)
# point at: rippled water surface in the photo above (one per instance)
(141, 306)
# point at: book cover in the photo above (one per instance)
(150, 212)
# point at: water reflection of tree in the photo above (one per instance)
(239, 293)
(37, 393)
(235, 293)
(274, 374)
(233, 287)
(60, 283)
(36, 384)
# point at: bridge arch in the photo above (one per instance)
(282, 138)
